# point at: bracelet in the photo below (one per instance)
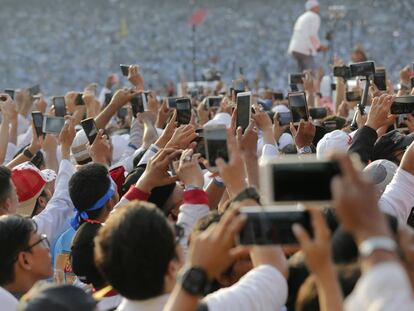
(367, 247)
(218, 181)
(191, 187)
(28, 154)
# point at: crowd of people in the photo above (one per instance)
(135, 216)
(254, 35)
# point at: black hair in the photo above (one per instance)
(15, 231)
(82, 255)
(5, 183)
(133, 250)
(87, 186)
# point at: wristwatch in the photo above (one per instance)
(367, 247)
(248, 193)
(194, 280)
(28, 154)
(304, 150)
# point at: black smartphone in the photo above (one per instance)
(278, 96)
(215, 142)
(244, 109)
(37, 118)
(138, 103)
(353, 96)
(183, 106)
(60, 106)
(298, 106)
(380, 79)
(10, 92)
(53, 125)
(122, 113)
(362, 69)
(200, 148)
(79, 100)
(403, 105)
(294, 87)
(284, 118)
(171, 102)
(90, 129)
(272, 225)
(35, 89)
(318, 112)
(214, 101)
(108, 98)
(294, 180)
(124, 69)
(342, 72)
(296, 78)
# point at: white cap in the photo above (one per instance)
(381, 173)
(334, 141)
(280, 108)
(310, 4)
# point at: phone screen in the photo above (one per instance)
(353, 96)
(303, 181)
(137, 104)
(60, 107)
(79, 100)
(380, 80)
(53, 125)
(90, 129)
(243, 110)
(183, 110)
(285, 118)
(318, 112)
(298, 106)
(296, 78)
(10, 92)
(214, 102)
(37, 117)
(108, 98)
(124, 69)
(267, 228)
(215, 144)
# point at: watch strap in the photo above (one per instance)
(28, 154)
(194, 280)
(248, 193)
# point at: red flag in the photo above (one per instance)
(197, 18)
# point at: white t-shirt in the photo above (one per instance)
(7, 301)
(305, 39)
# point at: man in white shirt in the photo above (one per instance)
(305, 43)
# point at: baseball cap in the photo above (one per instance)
(390, 142)
(334, 141)
(48, 297)
(30, 182)
(381, 173)
(79, 148)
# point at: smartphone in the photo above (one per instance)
(330, 126)
(35, 89)
(296, 78)
(79, 100)
(37, 118)
(244, 109)
(60, 106)
(362, 69)
(272, 225)
(108, 98)
(399, 121)
(342, 72)
(215, 143)
(124, 69)
(122, 113)
(294, 179)
(353, 96)
(380, 79)
(278, 96)
(284, 118)
(298, 106)
(138, 104)
(10, 92)
(200, 148)
(294, 87)
(213, 101)
(403, 105)
(171, 102)
(318, 113)
(90, 129)
(53, 125)
(183, 106)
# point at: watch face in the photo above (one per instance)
(194, 281)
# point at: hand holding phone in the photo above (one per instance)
(138, 103)
(53, 125)
(244, 109)
(124, 70)
(90, 129)
(183, 107)
(298, 106)
(37, 118)
(215, 145)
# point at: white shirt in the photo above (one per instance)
(384, 287)
(305, 39)
(7, 301)
(153, 304)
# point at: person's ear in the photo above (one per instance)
(24, 261)
(42, 202)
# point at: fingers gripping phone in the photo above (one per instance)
(298, 106)
(90, 129)
(273, 225)
(60, 106)
(215, 142)
(183, 107)
(244, 109)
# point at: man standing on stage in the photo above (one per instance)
(305, 43)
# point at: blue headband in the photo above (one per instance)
(75, 221)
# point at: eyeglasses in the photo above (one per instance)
(179, 233)
(43, 241)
